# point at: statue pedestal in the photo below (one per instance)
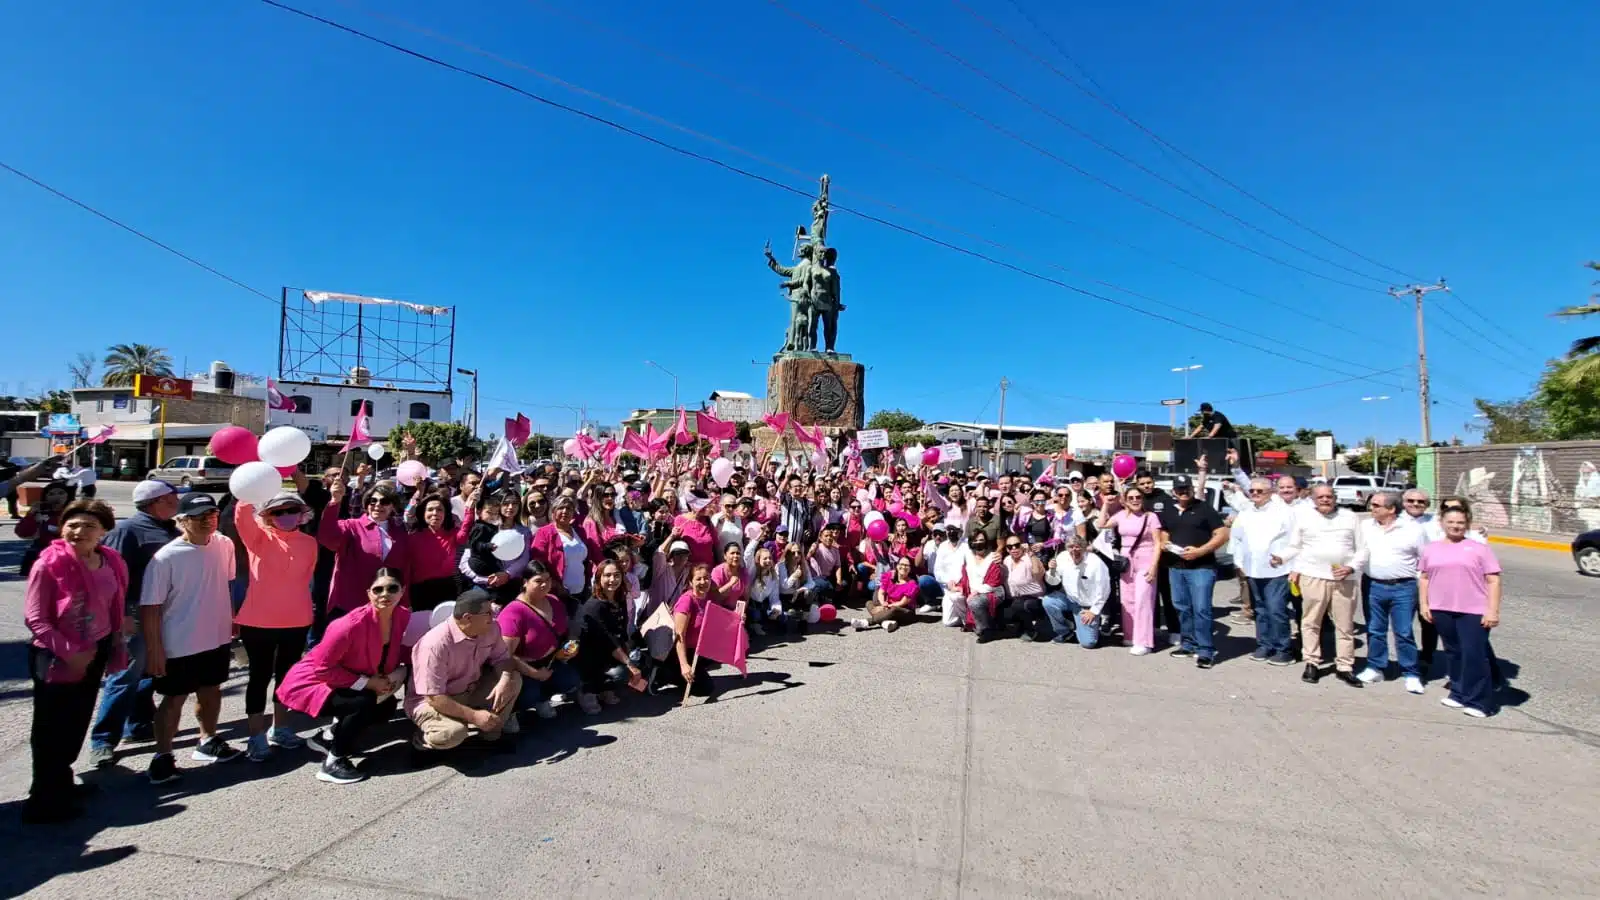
(827, 389)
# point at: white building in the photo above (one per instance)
(737, 406)
(325, 410)
(1100, 440)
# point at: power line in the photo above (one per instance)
(1064, 123)
(1464, 304)
(1048, 154)
(1158, 139)
(139, 234)
(921, 162)
(682, 151)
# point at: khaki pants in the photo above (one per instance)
(1335, 598)
(878, 613)
(441, 732)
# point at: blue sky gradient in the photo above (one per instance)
(1440, 138)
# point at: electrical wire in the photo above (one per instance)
(1064, 123)
(784, 187)
(1048, 154)
(140, 234)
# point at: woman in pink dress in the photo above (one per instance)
(1137, 537)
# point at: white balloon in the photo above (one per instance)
(376, 451)
(913, 455)
(813, 616)
(721, 472)
(255, 482)
(508, 544)
(871, 517)
(441, 612)
(284, 446)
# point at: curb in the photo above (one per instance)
(1530, 543)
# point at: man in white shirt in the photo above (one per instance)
(1083, 583)
(948, 562)
(1327, 551)
(1261, 532)
(1394, 547)
(187, 620)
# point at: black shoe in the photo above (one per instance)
(50, 812)
(1349, 678)
(985, 637)
(1310, 675)
(338, 770)
(163, 769)
(215, 750)
(1281, 659)
(1180, 653)
(1204, 662)
(1026, 637)
(141, 734)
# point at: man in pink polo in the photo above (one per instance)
(462, 678)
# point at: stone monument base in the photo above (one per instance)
(827, 389)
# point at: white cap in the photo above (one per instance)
(145, 491)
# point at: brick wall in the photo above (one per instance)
(1551, 487)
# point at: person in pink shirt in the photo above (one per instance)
(695, 529)
(688, 614)
(729, 576)
(895, 602)
(1136, 536)
(535, 628)
(73, 609)
(1458, 590)
(462, 677)
(435, 540)
(360, 546)
(352, 675)
(277, 611)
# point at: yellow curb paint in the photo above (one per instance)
(1530, 543)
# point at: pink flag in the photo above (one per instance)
(778, 421)
(814, 437)
(722, 636)
(710, 426)
(518, 430)
(610, 452)
(589, 444)
(101, 438)
(275, 398)
(360, 436)
(682, 427)
(655, 444)
(634, 443)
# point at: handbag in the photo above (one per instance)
(658, 632)
(1119, 563)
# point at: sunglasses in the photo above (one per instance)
(386, 589)
(1013, 546)
(380, 501)
(1259, 491)
(1416, 503)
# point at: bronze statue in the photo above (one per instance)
(811, 285)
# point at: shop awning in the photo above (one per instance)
(143, 434)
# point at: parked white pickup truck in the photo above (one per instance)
(1354, 490)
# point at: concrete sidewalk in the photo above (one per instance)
(1532, 540)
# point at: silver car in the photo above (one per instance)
(197, 472)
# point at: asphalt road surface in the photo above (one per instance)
(901, 765)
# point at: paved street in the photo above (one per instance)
(903, 765)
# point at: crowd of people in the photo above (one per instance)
(473, 603)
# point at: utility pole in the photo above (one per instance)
(1186, 370)
(474, 374)
(1000, 431)
(1417, 292)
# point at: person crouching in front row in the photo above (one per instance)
(462, 677)
(1081, 584)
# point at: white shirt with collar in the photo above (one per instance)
(1393, 551)
(1086, 584)
(1321, 542)
(1435, 531)
(1260, 533)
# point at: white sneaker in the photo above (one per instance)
(926, 610)
(1369, 676)
(891, 625)
(1414, 684)
(859, 624)
(1474, 712)
(544, 709)
(1451, 702)
(1138, 650)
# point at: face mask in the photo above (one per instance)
(286, 521)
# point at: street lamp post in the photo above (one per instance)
(674, 381)
(1375, 451)
(1186, 370)
(474, 374)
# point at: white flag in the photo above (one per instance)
(505, 458)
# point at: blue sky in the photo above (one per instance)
(1440, 138)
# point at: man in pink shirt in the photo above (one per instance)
(462, 677)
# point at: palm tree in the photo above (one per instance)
(1584, 354)
(123, 361)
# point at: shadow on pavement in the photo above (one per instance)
(36, 854)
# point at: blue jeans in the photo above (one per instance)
(564, 679)
(1397, 603)
(127, 700)
(1191, 596)
(1468, 657)
(821, 590)
(928, 590)
(1065, 615)
(1270, 597)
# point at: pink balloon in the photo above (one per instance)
(827, 612)
(288, 471)
(411, 473)
(234, 445)
(1123, 465)
(930, 456)
(912, 520)
(896, 508)
(878, 530)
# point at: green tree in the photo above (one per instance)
(894, 420)
(1041, 443)
(1511, 421)
(50, 401)
(437, 442)
(124, 361)
(539, 446)
(1399, 457)
(1584, 354)
(1570, 403)
(1309, 435)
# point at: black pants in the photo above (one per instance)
(272, 651)
(1164, 610)
(1035, 620)
(321, 582)
(354, 712)
(1005, 610)
(425, 595)
(61, 714)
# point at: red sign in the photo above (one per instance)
(162, 386)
